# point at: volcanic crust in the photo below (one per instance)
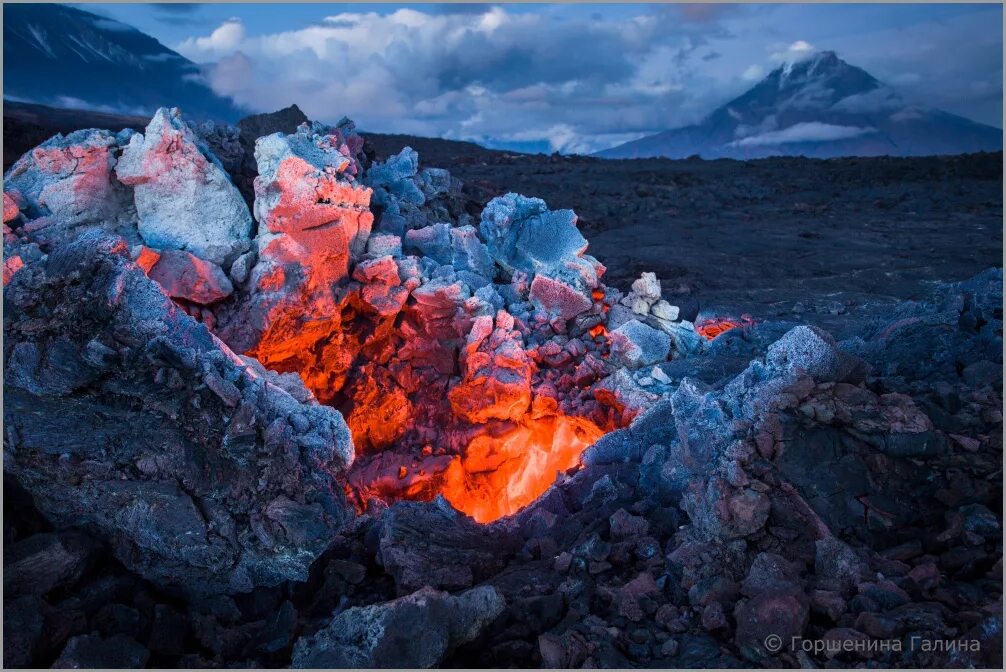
(399, 424)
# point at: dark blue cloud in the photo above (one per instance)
(576, 76)
(177, 7)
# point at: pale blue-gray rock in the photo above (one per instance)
(635, 344)
(394, 181)
(184, 199)
(131, 421)
(523, 234)
(469, 252)
(415, 631)
(433, 242)
(70, 180)
(306, 143)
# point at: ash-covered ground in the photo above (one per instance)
(780, 495)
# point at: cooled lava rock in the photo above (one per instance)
(126, 417)
(210, 433)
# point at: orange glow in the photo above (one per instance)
(498, 475)
(484, 440)
(597, 330)
(11, 265)
(713, 327)
(147, 259)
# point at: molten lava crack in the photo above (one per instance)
(497, 475)
(713, 327)
(473, 357)
(470, 362)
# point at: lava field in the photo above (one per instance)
(282, 395)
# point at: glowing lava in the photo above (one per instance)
(498, 475)
(715, 326)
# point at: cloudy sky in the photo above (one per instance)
(563, 77)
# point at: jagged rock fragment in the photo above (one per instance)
(184, 199)
(415, 631)
(497, 378)
(184, 276)
(10, 208)
(636, 344)
(69, 182)
(42, 562)
(128, 419)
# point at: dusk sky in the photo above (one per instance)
(571, 77)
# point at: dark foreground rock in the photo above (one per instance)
(418, 630)
(126, 417)
(90, 651)
(781, 498)
(761, 506)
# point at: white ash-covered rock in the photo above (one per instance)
(635, 344)
(184, 199)
(69, 182)
(522, 234)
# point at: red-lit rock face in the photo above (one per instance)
(472, 362)
(10, 208)
(311, 220)
(438, 401)
(497, 373)
(490, 441)
(11, 265)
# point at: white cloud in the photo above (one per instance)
(222, 41)
(73, 103)
(912, 113)
(489, 73)
(812, 131)
(571, 81)
(880, 99)
(795, 52)
(766, 125)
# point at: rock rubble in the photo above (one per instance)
(209, 434)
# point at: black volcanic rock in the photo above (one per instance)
(415, 631)
(281, 121)
(22, 628)
(91, 651)
(819, 107)
(434, 545)
(55, 54)
(46, 561)
(129, 419)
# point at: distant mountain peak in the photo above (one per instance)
(819, 106)
(815, 62)
(67, 57)
(822, 67)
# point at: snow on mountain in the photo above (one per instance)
(62, 56)
(819, 107)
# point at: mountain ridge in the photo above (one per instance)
(819, 107)
(65, 57)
